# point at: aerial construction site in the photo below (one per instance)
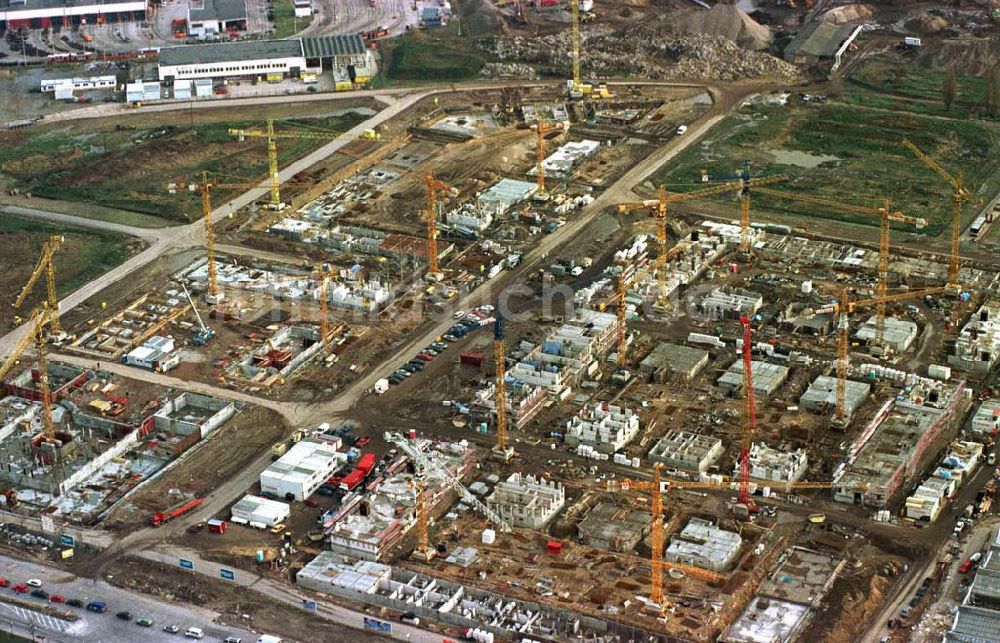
(498, 321)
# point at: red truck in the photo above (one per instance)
(161, 517)
(361, 471)
(217, 526)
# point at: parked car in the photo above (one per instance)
(449, 338)
(362, 441)
(965, 567)
(20, 588)
(410, 368)
(439, 346)
(39, 593)
(277, 529)
(74, 602)
(309, 502)
(33, 582)
(144, 622)
(194, 633)
(233, 639)
(424, 357)
(171, 629)
(395, 379)
(905, 611)
(97, 606)
(4, 582)
(124, 615)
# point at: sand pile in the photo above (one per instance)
(723, 20)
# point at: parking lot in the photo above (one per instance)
(106, 627)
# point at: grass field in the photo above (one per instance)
(129, 169)
(285, 22)
(437, 54)
(84, 255)
(845, 152)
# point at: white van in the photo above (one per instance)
(194, 633)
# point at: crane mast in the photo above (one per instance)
(45, 264)
(960, 196)
(622, 326)
(433, 185)
(886, 215)
(749, 416)
(501, 450)
(272, 136)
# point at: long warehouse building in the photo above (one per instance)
(41, 14)
(345, 56)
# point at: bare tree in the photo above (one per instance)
(949, 91)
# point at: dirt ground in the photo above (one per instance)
(227, 451)
(86, 162)
(82, 256)
(236, 605)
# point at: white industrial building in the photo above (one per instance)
(686, 450)
(774, 465)
(986, 419)
(254, 510)
(561, 163)
(78, 84)
(142, 92)
(526, 501)
(605, 427)
(703, 544)
(232, 60)
(298, 473)
(346, 57)
(898, 334)
(156, 354)
(929, 498)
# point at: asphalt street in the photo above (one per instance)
(99, 628)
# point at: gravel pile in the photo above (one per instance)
(646, 53)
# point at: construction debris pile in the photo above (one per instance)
(648, 53)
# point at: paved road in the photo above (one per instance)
(290, 595)
(100, 628)
(148, 234)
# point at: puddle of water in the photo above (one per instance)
(799, 158)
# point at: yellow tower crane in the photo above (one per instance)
(433, 186)
(204, 188)
(576, 89)
(45, 264)
(745, 182)
(843, 308)
(36, 335)
(960, 196)
(659, 486)
(423, 550)
(541, 129)
(658, 207)
(272, 137)
(886, 215)
(323, 276)
(501, 451)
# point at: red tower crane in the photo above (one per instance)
(749, 417)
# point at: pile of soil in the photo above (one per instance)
(848, 13)
(724, 20)
(927, 23)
